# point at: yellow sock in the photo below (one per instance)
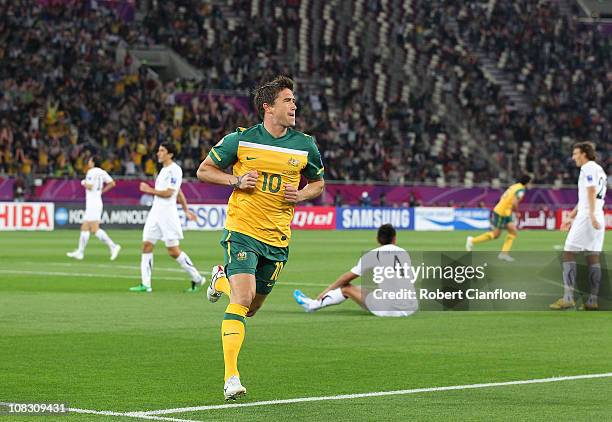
(232, 336)
(508, 243)
(222, 285)
(483, 238)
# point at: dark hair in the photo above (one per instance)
(588, 148)
(385, 235)
(170, 147)
(96, 160)
(524, 179)
(267, 93)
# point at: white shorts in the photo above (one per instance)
(392, 313)
(93, 212)
(583, 237)
(407, 307)
(167, 228)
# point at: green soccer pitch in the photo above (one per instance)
(70, 332)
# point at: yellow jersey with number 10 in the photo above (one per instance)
(262, 212)
(504, 206)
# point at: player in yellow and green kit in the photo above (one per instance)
(268, 160)
(502, 218)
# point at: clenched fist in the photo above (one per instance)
(145, 188)
(595, 223)
(191, 216)
(291, 194)
(247, 180)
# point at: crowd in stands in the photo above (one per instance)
(563, 66)
(63, 95)
(217, 44)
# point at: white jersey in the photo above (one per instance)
(591, 174)
(365, 264)
(97, 178)
(163, 220)
(388, 256)
(169, 177)
(582, 236)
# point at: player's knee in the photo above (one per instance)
(592, 259)
(244, 299)
(495, 234)
(147, 247)
(243, 296)
(568, 256)
(174, 252)
(253, 310)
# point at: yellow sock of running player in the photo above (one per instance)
(483, 238)
(508, 243)
(222, 285)
(232, 336)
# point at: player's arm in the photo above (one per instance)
(220, 157)
(570, 218)
(311, 190)
(313, 173)
(86, 184)
(518, 197)
(166, 193)
(180, 198)
(108, 186)
(209, 172)
(591, 197)
(342, 281)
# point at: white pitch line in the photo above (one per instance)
(123, 267)
(75, 274)
(375, 394)
(113, 266)
(109, 413)
(128, 415)
(131, 277)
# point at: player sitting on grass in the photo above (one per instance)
(340, 290)
(502, 218)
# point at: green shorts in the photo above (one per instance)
(499, 222)
(246, 255)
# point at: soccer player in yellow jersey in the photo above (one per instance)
(502, 218)
(268, 160)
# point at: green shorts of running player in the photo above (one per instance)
(246, 255)
(499, 222)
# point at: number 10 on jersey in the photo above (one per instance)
(271, 182)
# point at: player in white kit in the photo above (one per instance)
(387, 255)
(163, 221)
(96, 183)
(586, 228)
